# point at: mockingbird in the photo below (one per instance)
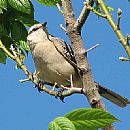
(55, 62)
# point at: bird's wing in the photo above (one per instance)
(64, 49)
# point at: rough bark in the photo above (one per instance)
(74, 34)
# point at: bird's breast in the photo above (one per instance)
(51, 65)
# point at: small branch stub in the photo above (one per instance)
(93, 47)
(59, 8)
(24, 80)
(127, 39)
(63, 28)
(124, 59)
(119, 12)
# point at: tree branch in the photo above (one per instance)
(115, 28)
(17, 59)
(74, 35)
(6, 51)
(77, 44)
(83, 16)
(94, 11)
(70, 91)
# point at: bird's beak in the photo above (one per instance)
(44, 24)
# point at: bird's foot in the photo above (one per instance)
(39, 86)
(35, 74)
(59, 94)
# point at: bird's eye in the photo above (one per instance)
(33, 30)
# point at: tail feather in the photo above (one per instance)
(112, 96)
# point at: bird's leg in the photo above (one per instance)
(62, 88)
(40, 83)
(71, 80)
(59, 94)
(54, 86)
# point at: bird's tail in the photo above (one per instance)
(112, 96)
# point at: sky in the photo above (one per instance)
(23, 108)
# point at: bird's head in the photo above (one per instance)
(37, 33)
(37, 27)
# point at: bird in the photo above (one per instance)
(55, 62)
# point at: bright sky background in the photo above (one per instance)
(23, 108)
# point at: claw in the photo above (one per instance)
(39, 89)
(39, 86)
(59, 94)
(62, 98)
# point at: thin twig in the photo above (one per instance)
(62, 27)
(124, 59)
(94, 11)
(24, 80)
(83, 16)
(93, 47)
(119, 18)
(6, 51)
(118, 32)
(59, 8)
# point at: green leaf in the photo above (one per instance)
(109, 8)
(25, 19)
(6, 19)
(50, 2)
(18, 31)
(24, 14)
(2, 57)
(7, 41)
(20, 10)
(24, 45)
(3, 5)
(3, 30)
(85, 119)
(61, 123)
(24, 6)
